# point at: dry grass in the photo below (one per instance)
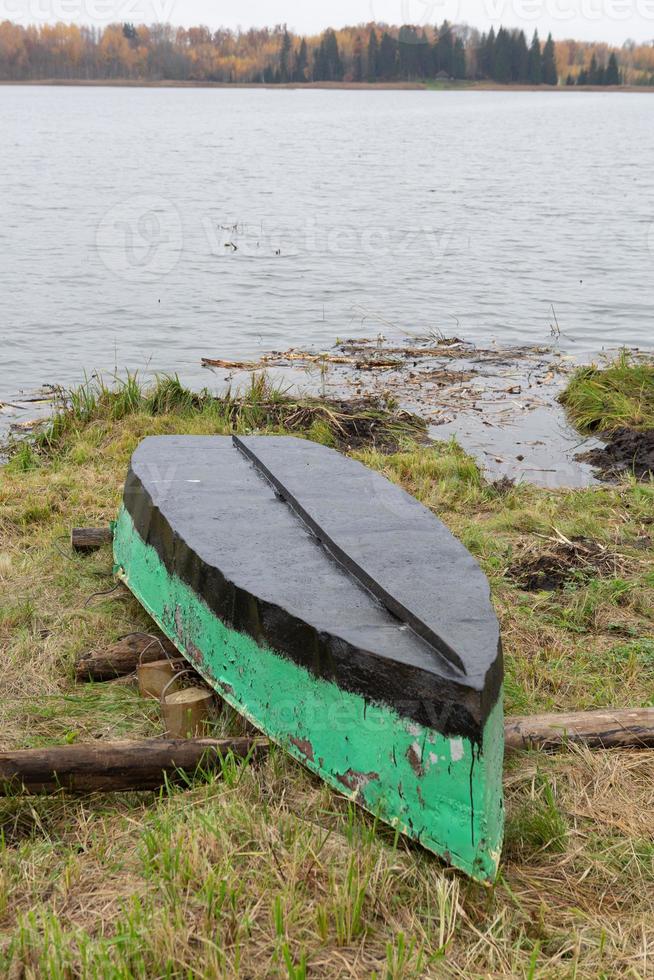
(266, 872)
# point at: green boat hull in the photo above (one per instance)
(445, 793)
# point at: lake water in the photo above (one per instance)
(145, 228)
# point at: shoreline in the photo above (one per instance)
(433, 86)
(508, 419)
(502, 405)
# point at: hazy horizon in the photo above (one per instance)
(609, 21)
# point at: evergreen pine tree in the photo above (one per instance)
(459, 59)
(357, 66)
(519, 58)
(285, 56)
(594, 72)
(301, 63)
(489, 55)
(486, 55)
(373, 56)
(425, 57)
(328, 66)
(535, 62)
(502, 62)
(387, 62)
(612, 71)
(550, 73)
(319, 65)
(408, 53)
(480, 58)
(336, 68)
(444, 52)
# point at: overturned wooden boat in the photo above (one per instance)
(338, 615)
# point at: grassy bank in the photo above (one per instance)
(266, 872)
(615, 395)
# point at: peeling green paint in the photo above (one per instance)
(444, 792)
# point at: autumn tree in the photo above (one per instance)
(13, 54)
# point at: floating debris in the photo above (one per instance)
(501, 403)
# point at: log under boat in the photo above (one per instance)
(338, 615)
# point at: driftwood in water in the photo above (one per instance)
(123, 657)
(596, 729)
(104, 767)
(85, 539)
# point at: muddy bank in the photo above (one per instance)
(563, 562)
(626, 451)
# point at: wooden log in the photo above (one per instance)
(103, 767)
(597, 729)
(107, 767)
(122, 657)
(87, 539)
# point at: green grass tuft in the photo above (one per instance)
(618, 395)
(538, 825)
(263, 405)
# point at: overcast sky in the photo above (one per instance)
(604, 20)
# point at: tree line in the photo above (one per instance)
(597, 74)
(370, 53)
